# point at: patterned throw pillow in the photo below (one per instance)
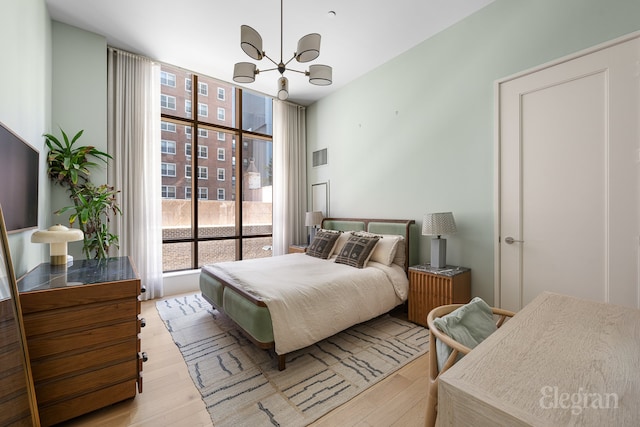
(357, 250)
(322, 244)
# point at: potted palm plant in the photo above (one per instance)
(69, 166)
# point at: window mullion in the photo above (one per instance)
(238, 173)
(195, 227)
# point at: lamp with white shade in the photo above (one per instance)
(313, 219)
(438, 224)
(57, 236)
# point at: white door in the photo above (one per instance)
(568, 173)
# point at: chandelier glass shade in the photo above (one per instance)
(308, 49)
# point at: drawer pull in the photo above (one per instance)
(143, 322)
(143, 355)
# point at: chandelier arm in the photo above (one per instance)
(296, 71)
(292, 58)
(274, 62)
(268, 69)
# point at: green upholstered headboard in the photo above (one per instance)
(404, 227)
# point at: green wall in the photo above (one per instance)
(54, 76)
(25, 101)
(79, 102)
(416, 135)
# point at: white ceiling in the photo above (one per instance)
(204, 35)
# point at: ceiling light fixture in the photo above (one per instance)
(308, 50)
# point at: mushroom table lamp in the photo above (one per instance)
(57, 236)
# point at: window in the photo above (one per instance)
(203, 193)
(167, 79)
(167, 126)
(202, 133)
(168, 169)
(203, 109)
(203, 151)
(246, 227)
(168, 101)
(203, 89)
(168, 191)
(167, 147)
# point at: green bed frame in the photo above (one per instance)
(252, 315)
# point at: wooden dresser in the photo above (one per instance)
(82, 326)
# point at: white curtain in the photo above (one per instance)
(133, 139)
(289, 176)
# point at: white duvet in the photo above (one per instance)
(311, 299)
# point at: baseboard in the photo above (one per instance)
(181, 282)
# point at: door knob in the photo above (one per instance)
(510, 240)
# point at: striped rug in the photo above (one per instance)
(241, 385)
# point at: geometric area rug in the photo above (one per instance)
(241, 386)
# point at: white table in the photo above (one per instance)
(560, 361)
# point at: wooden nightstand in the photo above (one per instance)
(294, 249)
(432, 287)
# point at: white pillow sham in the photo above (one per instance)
(386, 249)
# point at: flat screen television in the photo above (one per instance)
(19, 170)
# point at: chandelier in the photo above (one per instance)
(308, 50)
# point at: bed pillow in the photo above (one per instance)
(322, 244)
(344, 236)
(357, 250)
(469, 325)
(400, 256)
(385, 250)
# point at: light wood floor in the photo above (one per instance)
(170, 398)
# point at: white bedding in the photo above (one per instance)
(311, 299)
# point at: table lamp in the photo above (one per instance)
(313, 219)
(437, 224)
(57, 236)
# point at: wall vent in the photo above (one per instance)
(320, 157)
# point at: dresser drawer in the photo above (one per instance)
(74, 296)
(80, 339)
(53, 414)
(51, 391)
(78, 317)
(53, 367)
